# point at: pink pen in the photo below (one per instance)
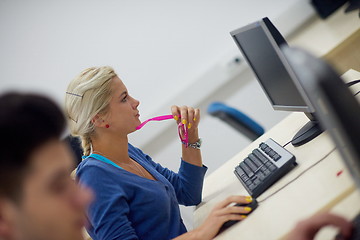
(159, 118)
(182, 129)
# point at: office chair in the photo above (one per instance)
(75, 145)
(236, 119)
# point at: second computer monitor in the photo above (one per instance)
(261, 48)
(260, 44)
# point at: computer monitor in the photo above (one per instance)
(336, 107)
(260, 44)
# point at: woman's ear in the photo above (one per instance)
(7, 219)
(98, 121)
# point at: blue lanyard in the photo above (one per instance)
(104, 159)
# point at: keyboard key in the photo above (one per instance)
(241, 174)
(252, 166)
(245, 178)
(252, 186)
(260, 156)
(267, 150)
(263, 146)
(247, 170)
(249, 182)
(257, 181)
(261, 175)
(272, 153)
(276, 157)
(268, 164)
(240, 171)
(267, 172)
(272, 167)
(253, 178)
(253, 158)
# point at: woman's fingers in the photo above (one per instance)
(184, 115)
(229, 217)
(189, 116)
(175, 112)
(235, 209)
(236, 217)
(196, 116)
(222, 213)
(234, 199)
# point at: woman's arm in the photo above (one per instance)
(187, 183)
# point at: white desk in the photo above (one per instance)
(320, 36)
(313, 186)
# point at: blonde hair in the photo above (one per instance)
(87, 95)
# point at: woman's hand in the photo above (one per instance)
(190, 117)
(307, 229)
(222, 213)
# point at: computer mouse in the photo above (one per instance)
(253, 205)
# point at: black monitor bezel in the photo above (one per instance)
(337, 109)
(263, 24)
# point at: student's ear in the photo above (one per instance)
(98, 121)
(7, 219)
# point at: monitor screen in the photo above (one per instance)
(260, 43)
(336, 108)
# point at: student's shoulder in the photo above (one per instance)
(102, 178)
(99, 175)
(91, 166)
(134, 150)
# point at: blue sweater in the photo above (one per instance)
(128, 206)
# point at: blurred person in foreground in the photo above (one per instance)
(307, 229)
(38, 198)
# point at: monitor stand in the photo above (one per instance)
(308, 132)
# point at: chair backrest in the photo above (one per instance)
(236, 119)
(75, 145)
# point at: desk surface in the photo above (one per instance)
(319, 36)
(313, 186)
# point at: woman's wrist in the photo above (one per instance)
(193, 135)
(195, 235)
(191, 235)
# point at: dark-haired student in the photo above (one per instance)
(38, 198)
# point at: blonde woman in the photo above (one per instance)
(136, 198)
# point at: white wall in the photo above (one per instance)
(162, 43)
(167, 52)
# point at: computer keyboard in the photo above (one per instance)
(264, 166)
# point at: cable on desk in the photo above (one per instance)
(291, 181)
(352, 82)
(348, 84)
(295, 138)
